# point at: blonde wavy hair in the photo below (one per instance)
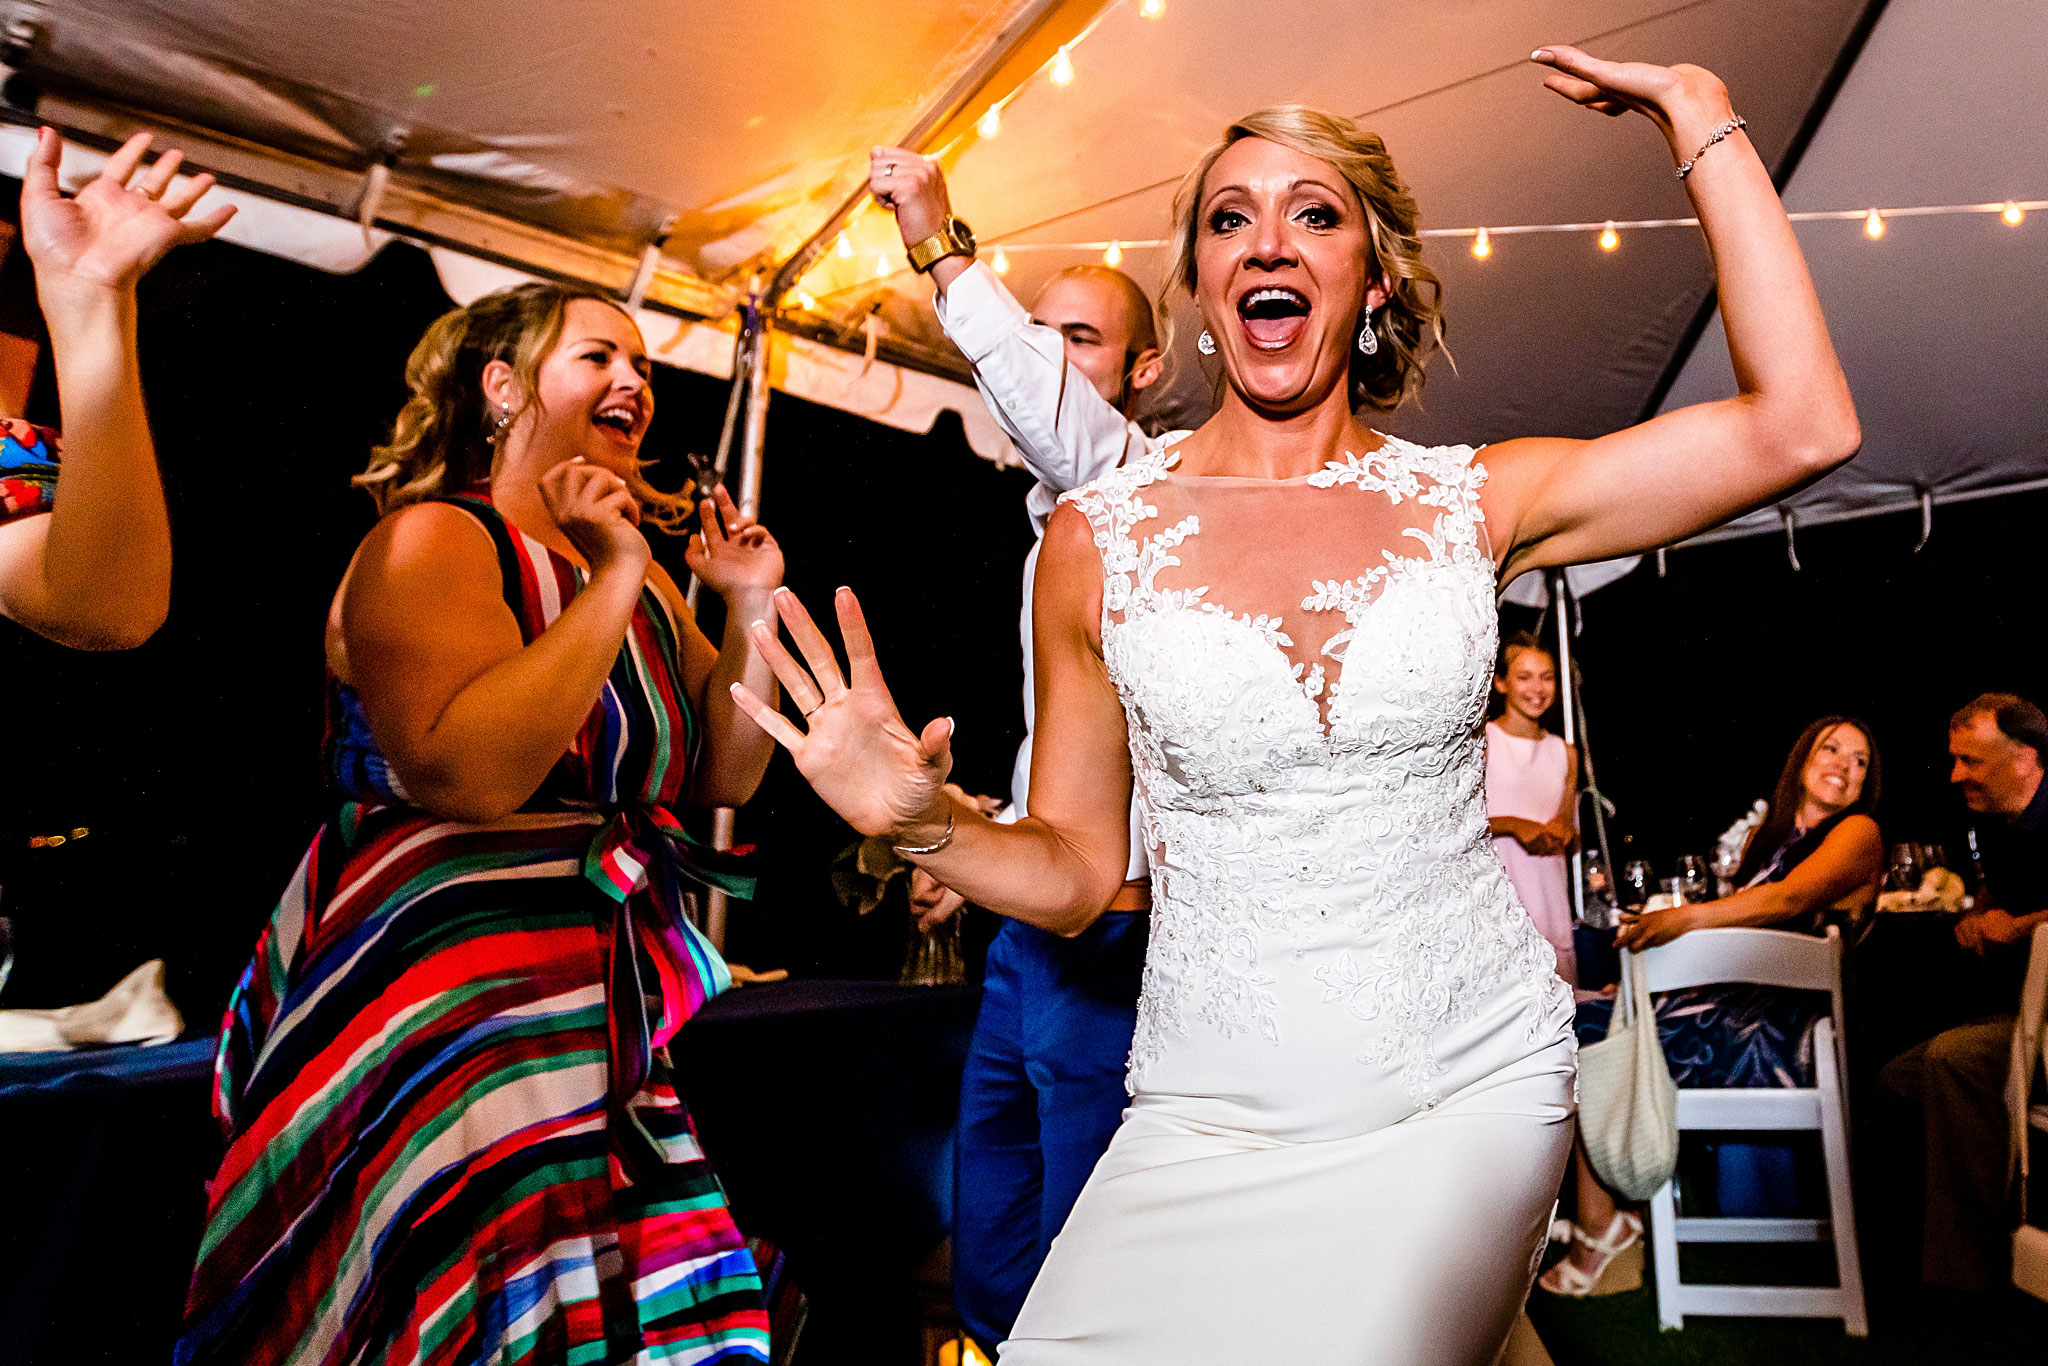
(441, 442)
(1411, 324)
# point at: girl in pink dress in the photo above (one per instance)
(1532, 788)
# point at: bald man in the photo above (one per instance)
(1043, 1089)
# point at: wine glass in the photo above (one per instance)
(1932, 856)
(1636, 881)
(1905, 869)
(1695, 883)
(6, 949)
(1599, 891)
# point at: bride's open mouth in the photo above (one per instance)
(1274, 316)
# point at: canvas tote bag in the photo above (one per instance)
(1628, 1106)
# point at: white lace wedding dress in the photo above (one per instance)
(1353, 1070)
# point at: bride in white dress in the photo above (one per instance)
(1352, 1080)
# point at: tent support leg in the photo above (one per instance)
(746, 416)
(1565, 605)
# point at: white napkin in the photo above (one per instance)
(135, 1011)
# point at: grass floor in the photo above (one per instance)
(1909, 1325)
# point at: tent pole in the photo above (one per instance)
(746, 408)
(1566, 605)
(1562, 612)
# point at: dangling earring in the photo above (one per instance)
(504, 420)
(1205, 343)
(1368, 340)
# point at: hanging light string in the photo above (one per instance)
(2011, 211)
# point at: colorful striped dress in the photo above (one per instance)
(452, 1132)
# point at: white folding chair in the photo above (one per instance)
(2029, 1055)
(1800, 962)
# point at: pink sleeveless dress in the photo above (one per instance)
(1526, 778)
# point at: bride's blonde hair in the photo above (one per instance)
(1411, 325)
(441, 442)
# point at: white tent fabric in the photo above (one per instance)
(527, 132)
(1940, 322)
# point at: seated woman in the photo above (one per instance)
(85, 545)
(452, 1131)
(1817, 850)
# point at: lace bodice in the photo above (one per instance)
(1303, 666)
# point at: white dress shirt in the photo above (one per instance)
(1067, 434)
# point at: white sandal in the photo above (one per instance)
(1569, 1279)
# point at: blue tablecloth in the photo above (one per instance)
(826, 1107)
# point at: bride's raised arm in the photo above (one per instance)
(1790, 420)
(1055, 869)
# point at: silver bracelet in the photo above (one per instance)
(919, 850)
(1723, 131)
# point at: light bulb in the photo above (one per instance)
(1482, 245)
(845, 247)
(881, 265)
(990, 123)
(806, 302)
(1873, 226)
(1062, 68)
(999, 261)
(1152, 9)
(2013, 214)
(1114, 255)
(1609, 238)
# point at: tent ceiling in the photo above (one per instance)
(731, 132)
(1939, 324)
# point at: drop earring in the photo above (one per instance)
(504, 420)
(1205, 343)
(1368, 340)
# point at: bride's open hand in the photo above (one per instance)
(854, 748)
(1675, 98)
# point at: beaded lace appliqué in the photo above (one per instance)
(1389, 900)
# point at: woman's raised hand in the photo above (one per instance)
(597, 511)
(731, 552)
(854, 748)
(119, 225)
(1666, 95)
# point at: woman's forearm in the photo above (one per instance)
(106, 565)
(1028, 871)
(1786, 371)
(496, 741)
(736, 751)
(1753, 907)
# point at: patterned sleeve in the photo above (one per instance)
(28, 469)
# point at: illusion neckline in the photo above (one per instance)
(1170, 468)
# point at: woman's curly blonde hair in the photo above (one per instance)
(1411, 325)
(442, 440)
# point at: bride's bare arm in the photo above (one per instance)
(1790, 420)
(1058, 868)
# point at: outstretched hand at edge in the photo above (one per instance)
(120, 224)
(854, 748)
(1669, 96)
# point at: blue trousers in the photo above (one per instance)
(1042, 1092)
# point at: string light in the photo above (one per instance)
(1113, 255)
(1062, 69)
(1152, 9)
(1482, 245)
(806, 302)
(882, 271)
(845, 247)
(991, 123)
(999, 261)
(2013, 214)
(1873, 225)
(1609, 238)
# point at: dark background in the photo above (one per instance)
(193, 761)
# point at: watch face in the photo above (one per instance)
(964, 235)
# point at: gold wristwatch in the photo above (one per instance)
(953, 239)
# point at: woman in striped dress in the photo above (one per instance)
(452, 1132)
